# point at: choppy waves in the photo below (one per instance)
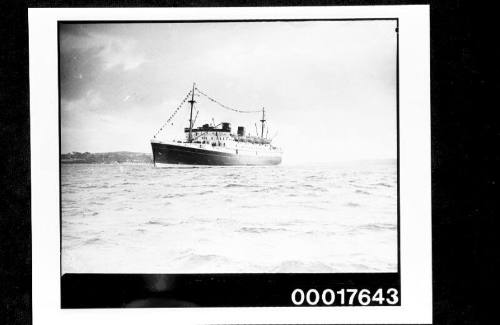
(136, 218)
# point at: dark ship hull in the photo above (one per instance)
(164, 153)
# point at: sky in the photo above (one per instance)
(328, 87)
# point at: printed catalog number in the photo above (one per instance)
(364, 297)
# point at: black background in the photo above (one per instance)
(465, 155)
(214, 290)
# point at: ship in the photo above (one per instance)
(215, 145)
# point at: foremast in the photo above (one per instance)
(192, 101)
(263, 121)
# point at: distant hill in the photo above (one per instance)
(106, 157)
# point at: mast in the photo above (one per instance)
(192, 101)
(263, 121)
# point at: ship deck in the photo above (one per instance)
(236, 148)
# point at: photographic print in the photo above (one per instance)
(204, 161)
(229, 147)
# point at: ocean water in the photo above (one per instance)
(309, 218)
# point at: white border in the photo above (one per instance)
(415, 172)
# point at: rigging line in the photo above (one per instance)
(173, 114)
(196, 117)
(224, 106)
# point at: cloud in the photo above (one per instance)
(120, 53)
(88, 56)
(79, 68)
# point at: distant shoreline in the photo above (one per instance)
(129, 157)
(118, 157)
